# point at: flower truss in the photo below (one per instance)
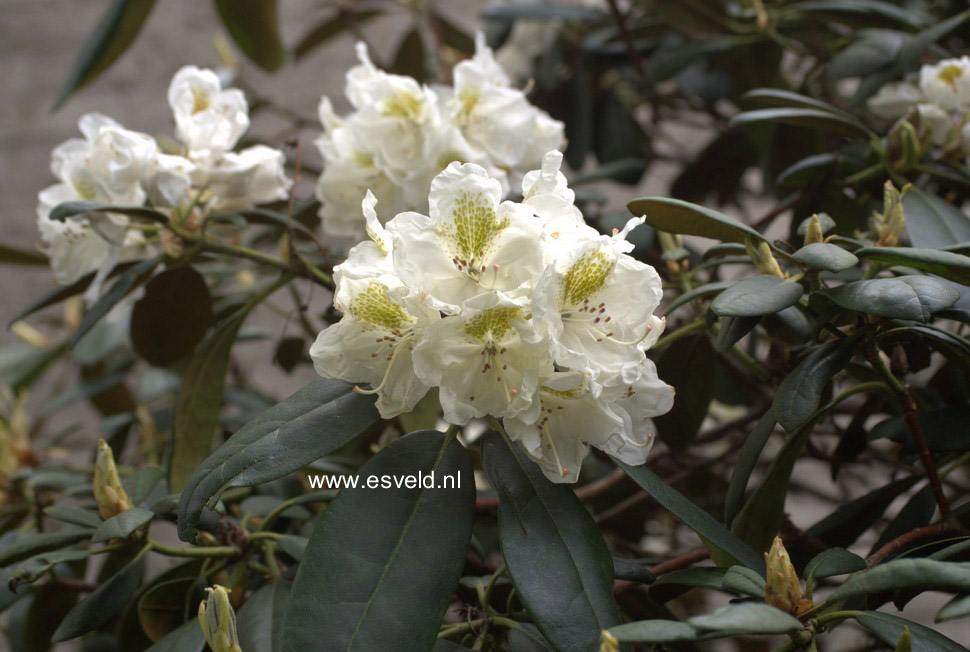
(940, 103)
(116, 166)
(401, 134)
(518, 311)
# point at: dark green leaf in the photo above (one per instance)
(546, 532)
(823, 218)
(115, 31)
(831, 258)
(617, 136)
(706, 577)
(140, 484)
(33, 568)
(946, 431)
(871, 8)
(698, 293)
(454, 36)
(932, 222)
(744, 581)
(756, 296)
(187, 638)
(172, 317)
(538, 10)
(260, 620)
(832, 562)
(410, 57)
(747, 618)
(686, 363)
(331, 27)
(694, 517)
(958, 607)
(314, 421)
(889, 628)
(955, 267)
(870, 51)
(847, 523)
(101, 604)
(775, 97)
(129, 280)
(914, 298)
(747, 460)
(916, 513)
(922, 574)
(253, 26)
(28, 544)
(71, 208)
(654, 631)
(294, 546)
(377, 550)
(87, 518)
(800, 393)
(732, 330)
(122, 525)
(676, 216)
(13, 256)
(811, 118)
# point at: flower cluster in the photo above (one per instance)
(119, 167)
(518, 311)
(401, 134)
(940, 102)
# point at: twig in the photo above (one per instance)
(631, 48)
(904, 539)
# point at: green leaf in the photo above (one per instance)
(115, 31)
(253, 25)
(922, 574)
(870, 51)
(694, 517)
(831, 258)
(698, 293)
(747, 460)
(260, 620)
(933, 222)
(955, 267)
(172, 316)
(327, 29)
(800, 393)
(732, 330)
(705, 577)
(917, 512)
(200, 397)
(676, 216)
(127, 281)
(832, 562)
(101, 604)
(747, 618)
(71, 208)
(811, 118)
(87, 518)
(871, 8)
(424, 415)
(29, 544)
(847, 523)
(140, 484)
(617, 136)
(377, 551)
(122, 525)
(686, 363)
(13, 256)
(654, 631)
(545, 531)
(187, 638)
(776, 97)
(316, 420)
(744, 581)
(914, 298)
(410, 58)
(958, 607)
(756, 296)
(33, 568)
(889, 628)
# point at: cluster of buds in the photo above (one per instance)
(889, 225)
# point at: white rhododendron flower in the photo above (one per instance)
(947, 83)
(116, 166)
(894, 99)
(517, 311)
(401, 134)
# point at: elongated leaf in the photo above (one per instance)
(13, 256)
(922, 574)
(87, 518)
(800, 393)
(172, 316)
(314, 421)
(33, 568)
(958, 607)
(103, 603)
(331, 27)
(122, 525)
(676, 216)
(732, 330)
(654, 631)
(847, 523)
(71, 208)
(932, 222)
(744, 581)
(832, 562)
(377, 550)
(26, 545)
(914, 298)
(821, 255)
(889, 628)
(187, 638)
(778, 98)
(811, 118)
(697, 293)
(694, 517)
(128, 280)
(864, 7)
(917, 512)
(747, 618)
(410, 59)
(747, 460)
(253, 25)
(686, 363)
(115, 31)
(546, 532)
(756, 296)
(260, 621)
(947, 264)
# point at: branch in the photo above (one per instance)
(905, 539)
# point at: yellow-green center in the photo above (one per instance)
(475, 226)
(950, 74)
(403, 104)
(494, 322)
(375, 307)
(586, 276)
(200, 100)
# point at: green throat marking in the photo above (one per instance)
(476, 225)
(494, 321)
(586, 276)
(375, 307)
